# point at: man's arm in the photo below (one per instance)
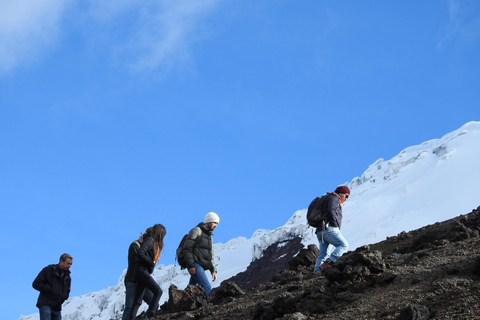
(332, 204)
(41, 282)
(188, 247)
(214, 268)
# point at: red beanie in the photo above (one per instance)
(342, 189)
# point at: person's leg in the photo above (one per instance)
(56, 315)
(137, 300)
(335, 238)
(193, 281)
(323, 249)
(148, 296)
(200, 277)
(129, 295)
(153, 286)
(45, 313)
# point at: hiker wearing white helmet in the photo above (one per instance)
(199, 252)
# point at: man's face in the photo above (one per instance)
(344, 196)
(211, 226)
(65, 265)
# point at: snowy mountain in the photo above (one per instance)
(422, 185)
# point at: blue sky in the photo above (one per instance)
(117, 116)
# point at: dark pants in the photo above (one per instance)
(130, 295)
(145, 280)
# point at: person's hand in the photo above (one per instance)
(214, 276)
(192, 271)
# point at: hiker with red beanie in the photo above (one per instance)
(331, 236)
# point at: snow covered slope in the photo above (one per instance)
(423, 184)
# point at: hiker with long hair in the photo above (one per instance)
(130, 281)
(147, 257)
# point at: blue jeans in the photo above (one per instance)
(46, 313)
(130, 295)
(328, 238)
(200, 278)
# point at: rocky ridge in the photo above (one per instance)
(429, 273)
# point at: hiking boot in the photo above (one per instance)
(327, 264)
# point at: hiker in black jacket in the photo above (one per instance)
(199, 252)
(147, 257)
(332, 235)
(130, 282)
(54, 284)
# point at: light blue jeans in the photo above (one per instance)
(46, 313)
(200, 278)
(332, 237)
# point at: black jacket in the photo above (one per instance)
(53, 286)
(199, 251)
(146, 254)
(132, 257)
(333, 212)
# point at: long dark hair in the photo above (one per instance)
(157, 232)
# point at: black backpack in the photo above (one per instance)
(180, 254)
(316, 213)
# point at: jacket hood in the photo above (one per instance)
(145, 235)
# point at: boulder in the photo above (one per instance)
(305, 259)
(227, 292)
(191, 298)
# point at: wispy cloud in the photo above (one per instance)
(28, 29)
(145, 35)
(463, 22)
(165, 32)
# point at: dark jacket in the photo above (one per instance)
(199, 251)
(54, 286)
(146, 254)
(333, 211)
(132, 257)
